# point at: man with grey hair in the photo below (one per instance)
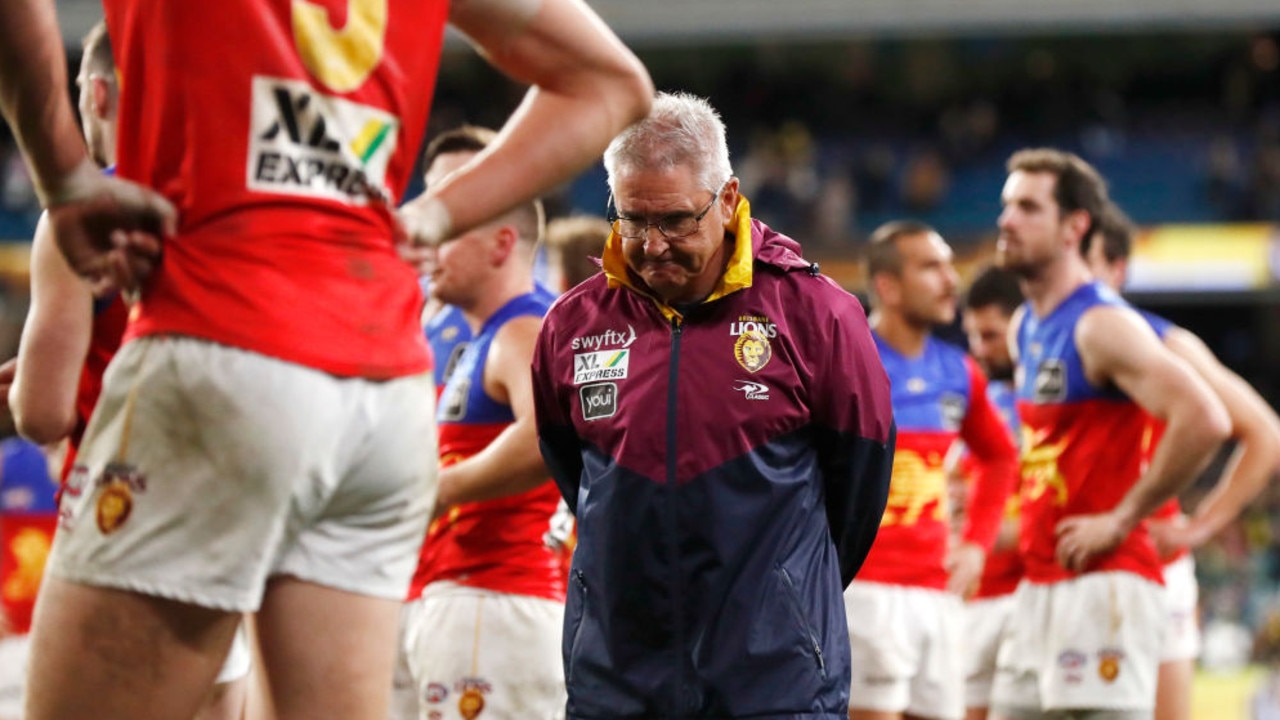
(716, 415)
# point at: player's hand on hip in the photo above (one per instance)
(110, 230)
(1170, 536)
(1084, 537)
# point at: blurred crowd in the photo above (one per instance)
(836, 138)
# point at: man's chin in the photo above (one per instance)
(664, 283)
(1004, 374)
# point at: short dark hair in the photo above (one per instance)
(1115, 230)
(97, 51)
(994, 286)
(464, 138)
(1078, 184)
(883, 255)
(529, 218)
(577, 240)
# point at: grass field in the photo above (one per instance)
(1219, 696)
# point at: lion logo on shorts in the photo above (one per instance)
(115, 503)
(1109, 664)
(470, 703)
(114, 506)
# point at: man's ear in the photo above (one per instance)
(888, 290)
(504, 241)
(729, 198)
(1078, 222)
(103, 98)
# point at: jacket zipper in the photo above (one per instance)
(794, 598)
(673, 546)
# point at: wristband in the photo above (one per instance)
(76, 185)
(427, 222)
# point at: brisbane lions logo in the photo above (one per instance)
(753, 351)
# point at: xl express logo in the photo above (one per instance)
(305, 143)
(605, 365)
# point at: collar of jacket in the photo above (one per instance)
(737, 274)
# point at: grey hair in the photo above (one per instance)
(681, 130)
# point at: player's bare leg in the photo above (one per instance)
(326, 653)
(226, 701)
(105, 654)
(1173, 689)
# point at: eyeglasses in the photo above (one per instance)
(673, 226)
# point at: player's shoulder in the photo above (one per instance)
(1110, 322)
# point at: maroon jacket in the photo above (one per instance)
(728, 469)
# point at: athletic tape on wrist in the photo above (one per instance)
(428, 223)
(75, 185)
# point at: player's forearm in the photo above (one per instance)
(586, 88)
(43, 394)
(33, 94)
(991, 488)
(1007, 538)
(1191, 437)
(1254, 464)
(510, 465)
(550, 139)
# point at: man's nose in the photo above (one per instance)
(1005, 218)
(655, 243)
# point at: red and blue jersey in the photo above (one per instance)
(447, 333)
(493, 544)
(28, 517)
(1081, 444)
(938, 397)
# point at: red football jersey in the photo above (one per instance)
(110, 317)
(284, 131)
(505, 544)
(498, 544)
(938, 397)
(1073, 465)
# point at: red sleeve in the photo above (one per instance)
(994, 462)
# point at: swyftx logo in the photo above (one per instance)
(303, 142)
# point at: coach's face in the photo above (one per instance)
(676, 234)
(1031, 225)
